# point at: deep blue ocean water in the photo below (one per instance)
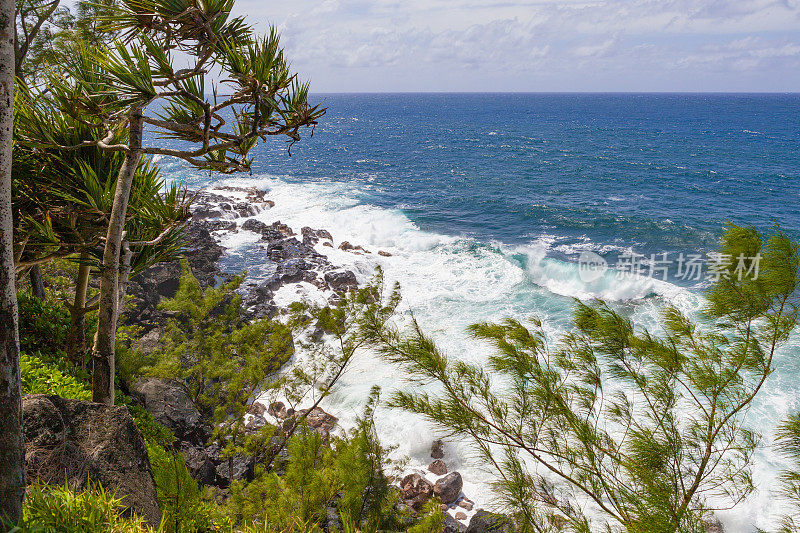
(486, 202)
(655, 171)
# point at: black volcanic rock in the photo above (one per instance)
(291, 248)
(341, 281)
(77, 442)
(485, 522)
(313, 236)
(169, 404)
(161, 280)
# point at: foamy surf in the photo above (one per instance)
(450, 282)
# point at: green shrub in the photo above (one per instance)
(151, 430)
(58, 509)
(43, 326)
(183, 508)
(301, 495)
(40, 377)
(347, 473)
(211, 347)
(221, 359)
(130, 361)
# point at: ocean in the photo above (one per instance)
(490, 205)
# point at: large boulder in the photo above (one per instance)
(341, 281)
(415, 491)
(78, 442)
(451, 525)
(485, 522)
(169, 404)
(202, 464)
(448, 488)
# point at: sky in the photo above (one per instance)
(531, 45)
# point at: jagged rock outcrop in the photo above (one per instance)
(269, 232)
(169, 404)
(313, 236)
(208, 205)
(486, 522)
(78, 442)
(437, 467)
(294, 260)
(415, 491)
(161, 281)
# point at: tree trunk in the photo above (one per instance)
(124, 275)
(37, 282)
(108, 311)
(12, 445)
(76, 337)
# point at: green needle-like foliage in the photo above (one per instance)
(789, 442)
(222, 359)
(345, 476)
(614, 427)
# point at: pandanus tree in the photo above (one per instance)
(20, 24)
(64, 200)
(32, 35)
(135, 84)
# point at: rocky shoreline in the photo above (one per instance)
(295, 259)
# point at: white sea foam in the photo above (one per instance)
(450, 282)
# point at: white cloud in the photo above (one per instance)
(531, 44)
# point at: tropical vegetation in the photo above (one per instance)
(611, 427)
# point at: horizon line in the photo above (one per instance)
(555, 92)
(732, 93)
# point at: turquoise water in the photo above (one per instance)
(487, 202)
